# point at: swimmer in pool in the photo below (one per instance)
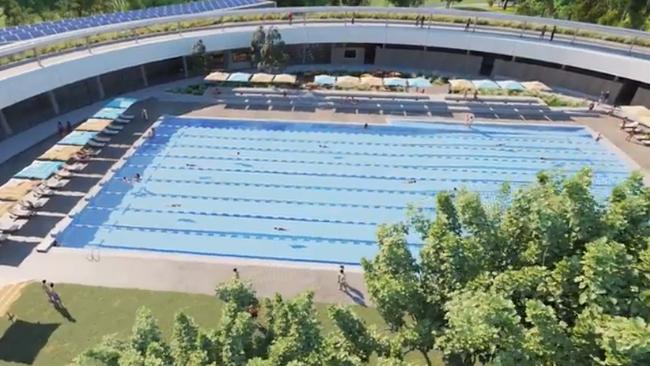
(137, 177)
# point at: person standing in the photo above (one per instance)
(145, 114)
(235, 273)
(467, 24)
(352, 20)
(342, 281)
(606, 96)
(541, 35)
(553, 32)
(290, 17)
(59, 128)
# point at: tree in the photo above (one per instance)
(239, 293)
(625, 341)
(267, 49)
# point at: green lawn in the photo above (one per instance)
(44, 337)
(437, 3)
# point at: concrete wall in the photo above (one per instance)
(642, 97)
(338, 55)
(586, 84)
(430, 61)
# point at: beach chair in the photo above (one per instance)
(32, 202)
(56, 183)
(76, 167)
(19, 212)
(42, 191)
(63, 173)
(8, 225)
(101, 139)
(126, 116)
(113, 127)
(122, 121)
(96, 144)
(109, 132)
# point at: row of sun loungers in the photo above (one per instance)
(21, 208)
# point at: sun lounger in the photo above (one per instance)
(122, 121)
(11, 225)
(56, 183)
(101, 139)
(75, 167)
(96, 144)
(43, 191)
(63, 173)
(126, 116)
(109, 132)
(20, 212)
(114, 127)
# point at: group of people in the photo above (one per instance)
(543, 32)
(52, 296)
(63, 130)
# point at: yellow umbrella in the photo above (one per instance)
(371, 81)
(535, 86)
(284, 79)
(61, 152)
(347, 81)
(460, 85)
(217, 76)
(94, 125)
(262, 78)
(16, 189)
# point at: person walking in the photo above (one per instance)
(342, 281)
(352, 20)
(235, 273)
(467, 24)
(553, 32)
(54, 297)
(60, 130)
(45, 288)
(541, 35)
(290, 17)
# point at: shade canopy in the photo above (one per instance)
(485, 84)
(325, 80)
(239, 77)
(121, 103)
(262, 78)
(39, 170)
(511, 85)
(395, 82)
(461, 85)
(61, 152)
(16, 189)
(94, 125)
(536, 86)
(284, 79)
(371, 81)
(419, 82)
(109, 113)
(79, 138)
(217, 76)
(347, 81)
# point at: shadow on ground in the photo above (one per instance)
(23, 341)
(13, 253)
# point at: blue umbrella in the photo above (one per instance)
(485, 84)
(324, 80)
(239, 77)
(419, 82)
(511, 85)
(395, 82)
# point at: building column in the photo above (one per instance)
(143, 71)
(55, 104)
(4, 124)
(100, 87)
(186, 71)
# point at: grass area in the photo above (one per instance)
(434, 3)
(43, 337)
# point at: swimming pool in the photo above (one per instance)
(312, 191)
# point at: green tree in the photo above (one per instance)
(239, 293)
(625, 341)
(267, 49)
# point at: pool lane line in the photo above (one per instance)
(237, 234)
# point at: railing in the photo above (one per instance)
(618, 39)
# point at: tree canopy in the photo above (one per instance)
(546, 275)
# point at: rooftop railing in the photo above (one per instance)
(627, 41)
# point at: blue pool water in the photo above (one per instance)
(222, 187)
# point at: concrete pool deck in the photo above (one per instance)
(200, 274)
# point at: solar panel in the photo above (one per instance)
(31, 31)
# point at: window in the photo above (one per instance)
(350, 54)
